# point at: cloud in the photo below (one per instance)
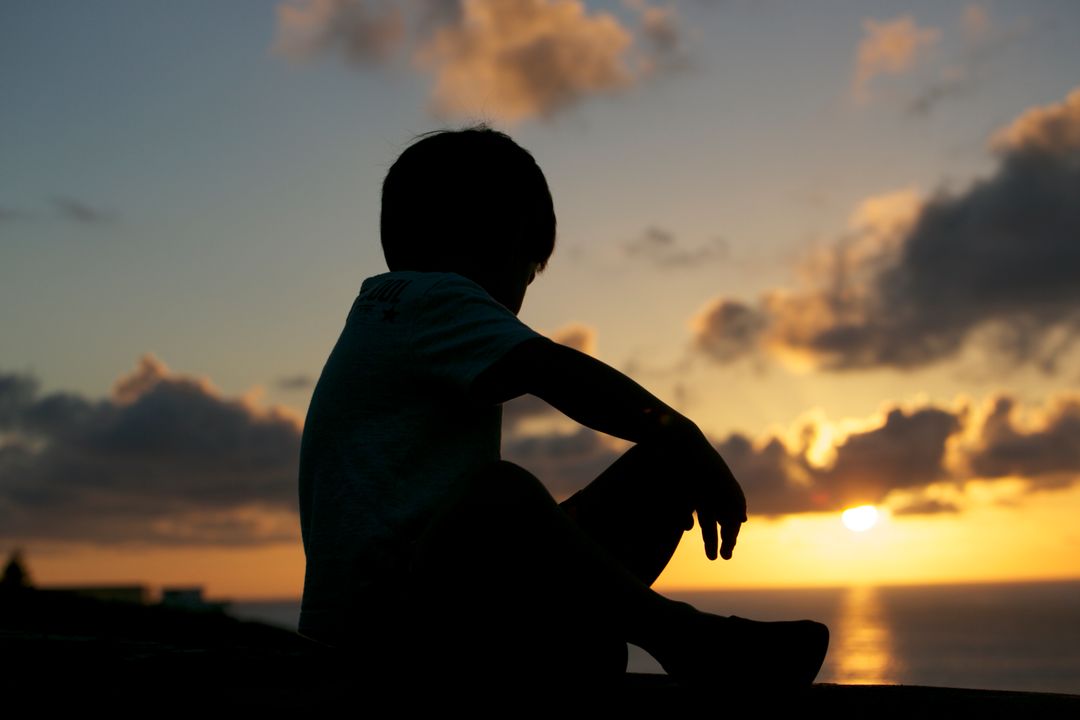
(510, 59)
(663, 249)
(363, 32)
(166, 459)
(902, 458)
(927, 507)
(906, 451)
(526, 58)
(579, 336)
(661, 28)
(1049, 132)
(296, 382)
(1046, 452)
(888, 47)
(984, 40)
(663, 47)
(916, 281)
(727, 330)
(976, 21)
(79, 212)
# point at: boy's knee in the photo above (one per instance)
(505, 484)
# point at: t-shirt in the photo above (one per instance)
(390, 430)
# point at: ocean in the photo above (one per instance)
(1007, 636)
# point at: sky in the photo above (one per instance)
(843, 237)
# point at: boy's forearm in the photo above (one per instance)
(586, 390)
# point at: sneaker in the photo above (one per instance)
(745, 653)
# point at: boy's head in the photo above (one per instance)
(468, 201)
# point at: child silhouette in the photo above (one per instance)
(426, 553)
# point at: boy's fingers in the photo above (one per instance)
(708, 534)
(728, 533)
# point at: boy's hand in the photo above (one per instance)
(718, 500)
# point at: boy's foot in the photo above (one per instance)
(740, 653)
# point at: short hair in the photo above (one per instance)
(465, 198)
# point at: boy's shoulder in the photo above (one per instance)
(394, 286)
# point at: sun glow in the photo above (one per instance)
(860, 519)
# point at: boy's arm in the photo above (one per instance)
(602, 398)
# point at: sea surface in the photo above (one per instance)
(994, 636)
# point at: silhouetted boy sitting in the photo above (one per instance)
(425, 551)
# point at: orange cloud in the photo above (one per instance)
(578, 336)
(505, 59)
(888, 47)
(1053, 128)
(526, 58)
(976, 21)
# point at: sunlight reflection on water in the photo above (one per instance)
(862, 651)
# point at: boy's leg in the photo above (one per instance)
(504, 576)
(635, 511)
(508, 579)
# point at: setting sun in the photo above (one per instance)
(860, 519)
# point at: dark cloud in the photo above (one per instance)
(79, 212)
(927, 507)
(952, 85)
(998, 263)
(296, 382)
(894, 460)
(662, 248)
(775, 480)
(165, 460)
(1046, 455)
(907, 451)
(728, 330)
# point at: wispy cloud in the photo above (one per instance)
(888, 47)
(81, 212)
(664, 249)
(362, 31)
(296, 382)
(983, 41)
